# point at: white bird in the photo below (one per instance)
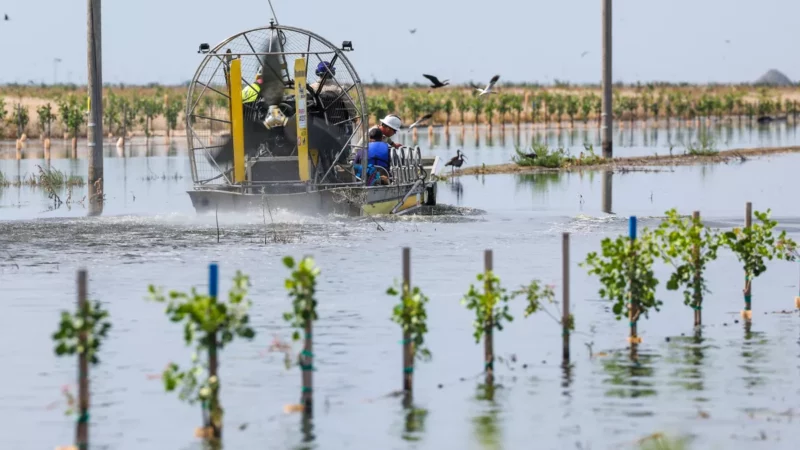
(488, 89)
(421, 119)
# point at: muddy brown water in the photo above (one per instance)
(726, 388)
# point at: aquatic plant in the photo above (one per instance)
(490, 107)
(545, 157)
(658, 441)
(462, 104)
(753, 245)
(149, 108)
(491, 311)
(625, 269)
(21, 118)
(3, 113)
(587, 106)
(302, 288)
(491, 308)
(72, 116)
(172, 108)
(516, 105)
(538, 297)
(111, 111)
(82, 333)
(688, 246)
(476, 105)
(572, 105)
(410, 313)
(705, 145)
(91, 318)
(46, 117)
(447, 107)
(209, 325)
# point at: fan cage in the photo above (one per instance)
(207, 112)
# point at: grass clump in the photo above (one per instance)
(540, 155)
(705, 146)
(57, 179)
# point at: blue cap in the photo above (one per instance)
(323, 67)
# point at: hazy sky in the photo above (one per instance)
(522, 40)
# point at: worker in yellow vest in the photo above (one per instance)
(250, 92)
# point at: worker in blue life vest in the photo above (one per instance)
(250, 92)
(378, 155)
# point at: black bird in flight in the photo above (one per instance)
(436, 82)
(412, 31)
(6, 17)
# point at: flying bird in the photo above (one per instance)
(488, 89)
(436, 82)
(6, 17)
(420, 120)
(412, 31)
(584, 54)
(727, 41)
(456, 161)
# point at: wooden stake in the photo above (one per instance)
(214, 417)
(747, 314)
(565, 319)
(698, 294)
(82, 428)
(488, 341)
(408, 357)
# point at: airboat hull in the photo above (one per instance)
(378, 200)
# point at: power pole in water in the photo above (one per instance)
(95, 123)
(607, 81)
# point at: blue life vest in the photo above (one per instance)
(373, 178)
(379, 154)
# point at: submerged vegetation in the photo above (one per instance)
(47, 177)
(540, 155)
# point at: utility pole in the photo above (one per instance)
(95, 120)
(607, 82)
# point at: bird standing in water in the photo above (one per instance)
(456, 161)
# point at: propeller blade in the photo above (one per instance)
(272, 74)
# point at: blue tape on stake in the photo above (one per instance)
(632, 227)
(213, 271)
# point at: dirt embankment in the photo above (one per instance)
(634, 162)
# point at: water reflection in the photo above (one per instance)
(414, 423)
(629, 378)
(755, 357)
(687, 353)
(307, 432)
(487, 424)
(540, 183)
(607, 191)
(457, 188)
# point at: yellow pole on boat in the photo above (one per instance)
(300, 112)
(237, 120)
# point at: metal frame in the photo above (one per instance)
(359, 102)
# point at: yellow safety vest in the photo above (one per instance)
(250, 93)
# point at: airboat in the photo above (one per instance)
(289, 142)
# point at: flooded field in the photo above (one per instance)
(727, 387)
